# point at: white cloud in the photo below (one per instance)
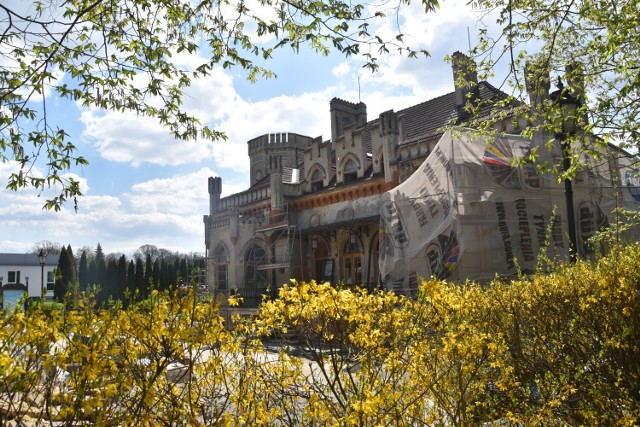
(7, 168)
(82, 182)
(342, 70)
(440, 33)
(165, 212)
(28, 197)
(212, 98)
(126, 138)
(175, 195)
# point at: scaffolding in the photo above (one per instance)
(280, 234)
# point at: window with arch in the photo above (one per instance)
(350, 171)
(254, 277)
(317, 181)
(352, 261)
(220, 265)
(322, 263)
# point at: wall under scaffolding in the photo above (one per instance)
(275, 257)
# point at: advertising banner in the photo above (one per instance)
(471, 212)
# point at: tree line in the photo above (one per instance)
(114, 277)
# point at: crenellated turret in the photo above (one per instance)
(215, 190)
(345, 114)
(290, 146)
(388, 123)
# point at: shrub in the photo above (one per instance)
(556, 348)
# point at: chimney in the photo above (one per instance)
(465, 80)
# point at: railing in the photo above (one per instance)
(220, 223)
(276, 217)
(244, 198)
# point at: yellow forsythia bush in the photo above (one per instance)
(557, 348)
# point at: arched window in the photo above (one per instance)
(352, 261)
(254, 277)
(220, 262)
(323, 265)
(350, 171)
(317, 181)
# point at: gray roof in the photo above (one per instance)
(427, 119)
(27, 259)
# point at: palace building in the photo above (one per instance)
(384, 201)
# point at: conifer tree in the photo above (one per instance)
(148, 274)
(155, 277)
(163, 284)
(83, 272)
(111, 285)
(92, 274)
(100, 264)
(99, 269)
(60, 287)
(121, 279)
(131, 277)
(183, 271)
(73, 267)
(141, 285)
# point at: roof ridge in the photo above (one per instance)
(426, 102)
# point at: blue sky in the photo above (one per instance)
(143, 187)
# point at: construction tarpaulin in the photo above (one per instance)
(470, 212)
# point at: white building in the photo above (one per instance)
(21, 273)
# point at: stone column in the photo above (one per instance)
(277, 190)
